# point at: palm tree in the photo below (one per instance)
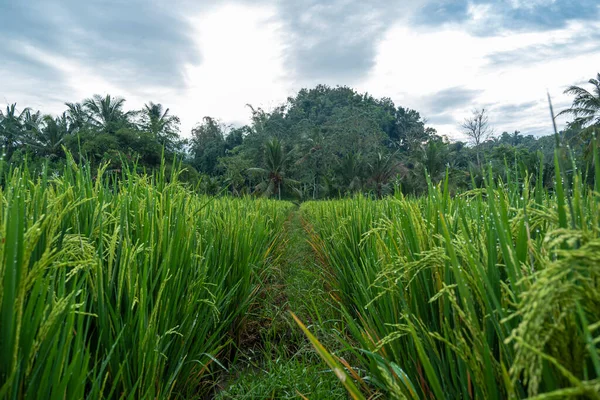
(12, 130)
(586, 105)
(77, 115)
(276, 160)
(349, 170)
(382, 170)
(33, 122)
(163, 127)
(106, 113)
(586, 110)
(48, 140)
(433, 156)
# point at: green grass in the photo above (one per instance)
(280, 363)
(124, 287)
(288, 378)
(494, 293)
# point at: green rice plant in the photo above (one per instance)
(126, 286)
(493, 293)
(42, 322)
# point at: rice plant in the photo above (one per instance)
(490, 294)
(127, 286)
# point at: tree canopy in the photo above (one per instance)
(323, 142)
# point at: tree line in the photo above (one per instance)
(323, 142)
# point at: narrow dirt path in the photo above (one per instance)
(278, 362)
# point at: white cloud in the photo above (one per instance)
(244, 57)
(79, 81)
(412, 66)
(242, 53)
(242, 63)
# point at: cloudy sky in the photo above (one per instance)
(208, 57)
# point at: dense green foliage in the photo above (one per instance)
(123, 285)
(322, 143)
(491, 294)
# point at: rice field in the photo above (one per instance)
(121, 285)
(129, 285)
(490, 294)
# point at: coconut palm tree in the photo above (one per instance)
(12, 129)
(586, 110)
(106, 113)
(275, 160)
(382, 170)
(33, 122)
(586, 104)
(350, 171)
(434, 157)
(77, 115)
(164, 127)
(49, 139)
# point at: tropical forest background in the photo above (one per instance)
(324, 142)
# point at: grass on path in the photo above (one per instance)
(277, 361)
